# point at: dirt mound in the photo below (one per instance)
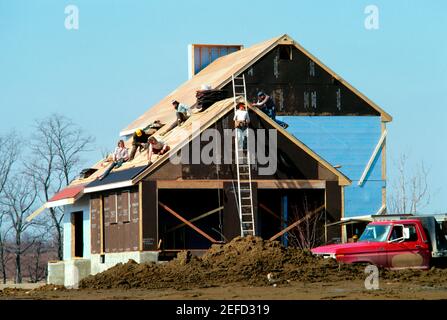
(245, 260)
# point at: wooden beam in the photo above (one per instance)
(373, 157)
(140, 216)
(297, 223)
(206, 214)
(190, 184)
(178, 216)
(262, 184)
(72, 235)
(101, 223)
(261, 205)
(36, 213)
(291, 184)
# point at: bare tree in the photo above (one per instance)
(4, 254)
(70, 142)
(308, 233)
(9, 153)
(410, 192)
(37, 270)
(56, 148)
(19, 196)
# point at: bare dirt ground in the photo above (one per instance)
(245, 268)
(352, 290)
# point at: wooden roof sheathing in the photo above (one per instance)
(216, 74)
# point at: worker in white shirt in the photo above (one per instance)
(120, 156)
(241, 121)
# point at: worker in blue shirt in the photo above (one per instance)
(266, 104)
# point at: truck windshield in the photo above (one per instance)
(376, 233)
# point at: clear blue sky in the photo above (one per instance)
(127, 55)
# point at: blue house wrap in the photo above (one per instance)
(347, 142)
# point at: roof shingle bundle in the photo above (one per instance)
(206, 98)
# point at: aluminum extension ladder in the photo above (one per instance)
(243, 165)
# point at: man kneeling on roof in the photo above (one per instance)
(139, 141)
(120, 155)
(141, 136)
(267, 105)
(182, 112)
(156, 146)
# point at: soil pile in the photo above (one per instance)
(249, 260)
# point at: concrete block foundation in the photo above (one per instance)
(69, 272)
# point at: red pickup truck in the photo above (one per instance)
(393, 242)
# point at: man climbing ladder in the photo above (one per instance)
(241, 121)
(242, 157)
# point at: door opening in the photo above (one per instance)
(77, 234)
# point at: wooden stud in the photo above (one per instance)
(343, 227)
(73, 234)
(101, 223)
(140, 215)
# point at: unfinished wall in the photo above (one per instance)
(120, 221)
(291, 161)
(301, 87)
(149, 213)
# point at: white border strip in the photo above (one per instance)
(373, 157)
(365, 217)
(58, 203)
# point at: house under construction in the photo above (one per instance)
(329, 164)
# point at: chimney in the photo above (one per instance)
(201, 55)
